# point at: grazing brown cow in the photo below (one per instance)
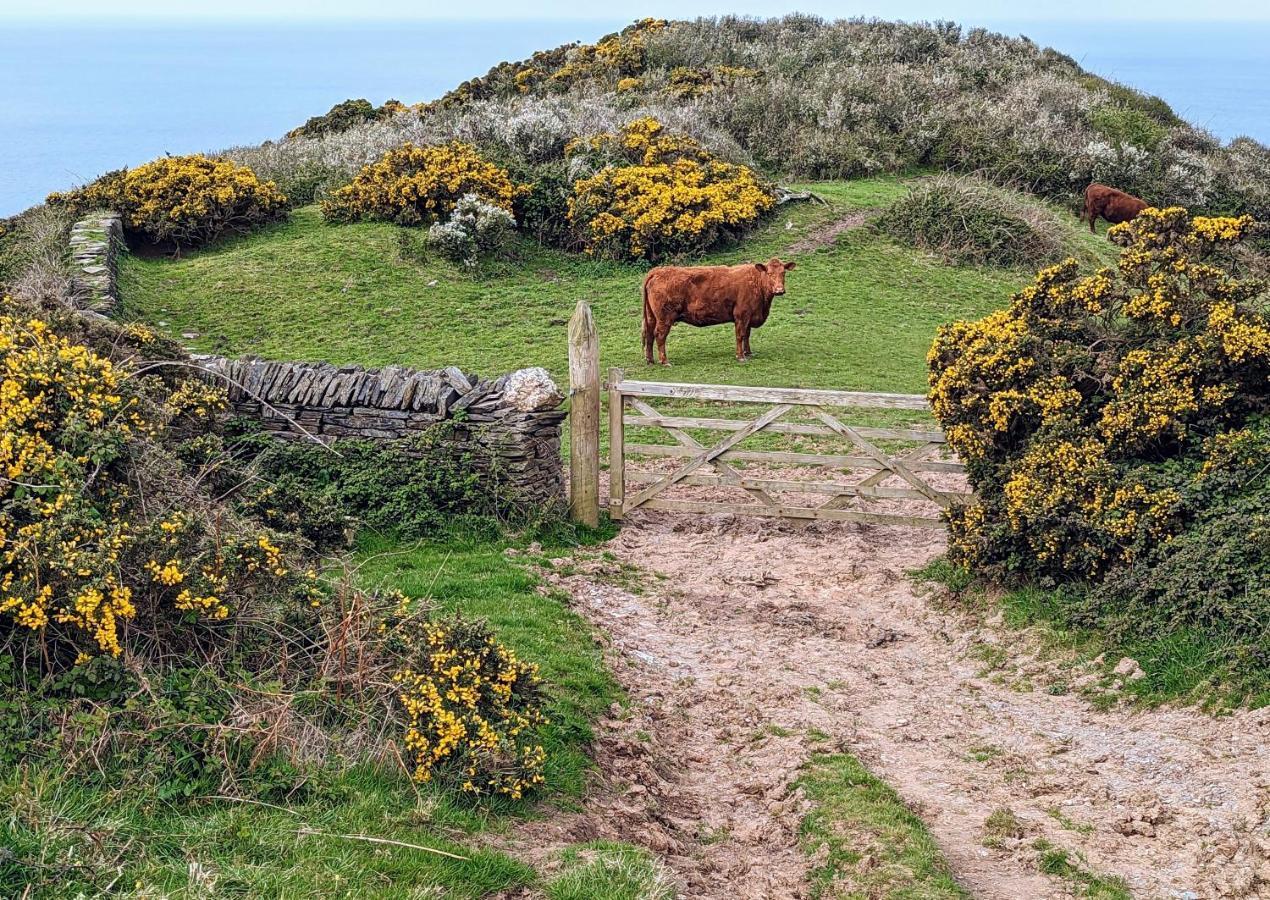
(1113, 205)
(710, 295)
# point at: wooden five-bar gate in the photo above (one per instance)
(841, 468)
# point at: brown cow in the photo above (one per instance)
(1113, 205)
(710, 295)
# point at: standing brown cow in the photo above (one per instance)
(1113, 205)
(710, 295)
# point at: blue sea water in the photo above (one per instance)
(80, 100)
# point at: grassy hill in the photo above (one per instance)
(859, 315)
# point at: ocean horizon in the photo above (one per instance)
(86, 99)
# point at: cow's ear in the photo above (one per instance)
(762, 267)
(789, 267)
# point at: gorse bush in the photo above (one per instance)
(475, 230)
(660, 195)
(182, 200)
(82, 556)
(612, 58)
(343, 116)
(1109, 423)
(968, 221)
(153, 624)
(1215, 574)
(413, 185)
(472, 709)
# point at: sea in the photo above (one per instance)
(81, 99)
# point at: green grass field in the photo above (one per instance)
(859, 314)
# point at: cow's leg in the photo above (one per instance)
(663, 329)
(748, 351)
(742, 338)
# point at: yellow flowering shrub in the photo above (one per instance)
(413, 185)
(1083, 409)
(472, 710)
(182, 200)
(614, 58)
(660, 194)
(83, 551)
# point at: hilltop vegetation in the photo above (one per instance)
(803, 98)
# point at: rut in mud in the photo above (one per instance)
(753, 636)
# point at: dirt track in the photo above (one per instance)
(754, 632)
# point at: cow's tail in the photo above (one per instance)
(650, 322)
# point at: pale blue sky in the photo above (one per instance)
(960, 10)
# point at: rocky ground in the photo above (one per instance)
(748, 644)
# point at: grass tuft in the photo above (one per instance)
(866, 841)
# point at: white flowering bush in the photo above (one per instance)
(475, 230)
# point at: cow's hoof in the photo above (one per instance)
(665, 365)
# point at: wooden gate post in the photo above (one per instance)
(584, 417)
(617, 444)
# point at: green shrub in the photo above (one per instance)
(1127, 126)
(971, 222)
(1214, 576)
(543, 209)
(413, 488)
(181, 200)
(343, 116)
(1155, 108)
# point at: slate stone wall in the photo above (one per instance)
(95, 242)
(510, 425)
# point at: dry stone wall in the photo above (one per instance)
(510, 426)
(95, 242)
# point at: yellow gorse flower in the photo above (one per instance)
(184, 199)
(668, 194)
(76, 555)
(1056, 402)
(415, 185)
(471, 711)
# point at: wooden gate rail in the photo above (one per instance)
(710, 466)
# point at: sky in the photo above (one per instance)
(959, 10)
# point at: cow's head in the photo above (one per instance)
(775, 271)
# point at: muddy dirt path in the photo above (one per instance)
(756, 639)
